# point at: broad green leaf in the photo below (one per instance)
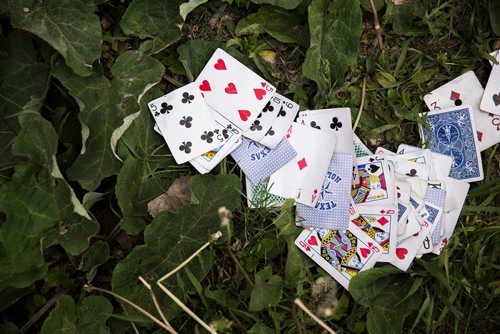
(195, 54)
(260, 328)
(390, 296)
(287, 4)
(88, 317)
(148, 162)
(267, 290)
(495, 16)
(401, 16)
(69, 26)
(18, 61)
(285, 26)
(106, 110)
(159, 22)
(40, 208)
(172, 237)
(96, 255)
(335, 29)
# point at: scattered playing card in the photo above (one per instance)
(261, 126)
(452, 133)
(185, 122)
(491, 99)
(286, 110)
(342, 254)
(233, 90)
(376, 182)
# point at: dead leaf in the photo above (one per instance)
(177, 195)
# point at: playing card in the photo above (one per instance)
(452, 133)
(416, 201)
(412, 226)
(265, 120)
(342, 254)
(436, 195)
(233, 90)
(376, 181)
(360, 149)
(198, 167)
(303, 176)
(467, 90)
(380, 224)
(285, 112)
(490, 102)
(258, 196)
(403, 212)
(185, 122)
(433, 214)
(332, 208)
(258, 161)
(228, 135)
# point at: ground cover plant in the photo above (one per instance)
(80, 162)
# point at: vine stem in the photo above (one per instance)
(155, 301)
(312, 315)
(377, 25)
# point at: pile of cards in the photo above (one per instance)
(356, 208)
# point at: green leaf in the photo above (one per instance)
(40, 206)
(96, 255)
(106, 110)
(267, 290)
(286, 27)
(495, 16)
(88, 317)
(172, 237)
(287, 4)
(69, 26)
(335, 29)
(158, 21)
(260, 328)
(390, 296)
(18, 61)
(402, 16)
(195, 54)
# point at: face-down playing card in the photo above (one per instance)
(343, 254)
(302, 178)
(332, 208)
(258, 162)
(453, 133)
(233, 90)
(185, 122)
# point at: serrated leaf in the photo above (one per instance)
(40, 207)
(18, 61)
(159, 22)
(335, 29)
(69, 26)
(285, 26)
(267, 290)
(88, 317)
(106, 110)
(390, 296)
(287, 4)
(195, 54)
(172, 237)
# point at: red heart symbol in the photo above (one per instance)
(263, 84)
(220, 65)
(205, 86)
(401, 253)
(312, 241)
(259, 93)
(244, 114)
(365, 252)
(370, 244)
(230, 89)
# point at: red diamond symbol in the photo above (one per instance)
(479, 136)
(383, 221)
(454, 96)
(382, 211)
(302, 163)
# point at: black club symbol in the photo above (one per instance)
(207, 136)
(186, 98)
(282, 112)
(225, 134)
(256, 126)
(186, 121)
(166, 108)
(186, 147)
(270, 132)
(336, 125)
(314, 125)
(268, 107)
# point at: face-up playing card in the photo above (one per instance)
(467, 90)
(436, 195)
(264, 121)
(233, 90)
(285, 112)
(303, 176)
(380, 224)
(332, 208)
(258, 162)
(490, 102)
(452, 133)
(342, 254)
(376, 184)
(198, 167)
(185, 122)
(433, 214)
(412, 226)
